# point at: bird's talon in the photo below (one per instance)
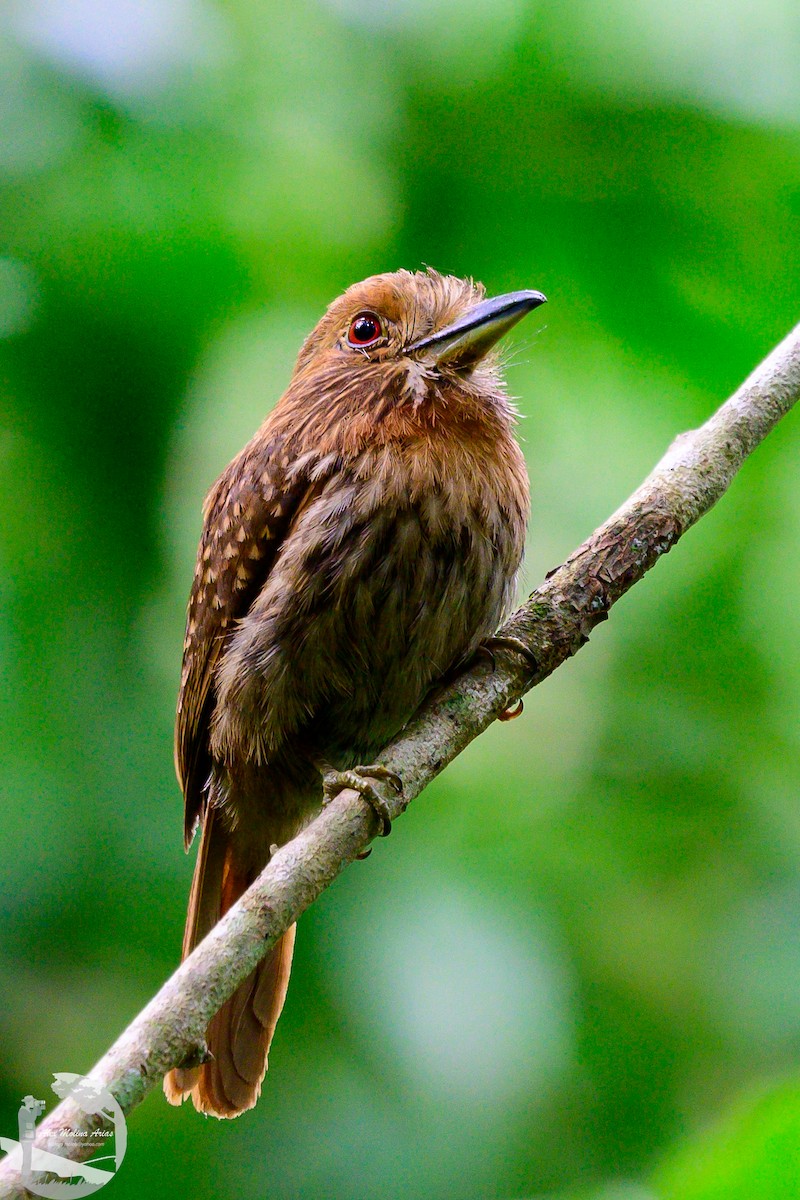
(515, 644)
(336, 781)
(485, 651)
(379, 771)
(510, 714)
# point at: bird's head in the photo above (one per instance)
(406, 333)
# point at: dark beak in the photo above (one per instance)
(465, 342)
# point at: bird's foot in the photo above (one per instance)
(517, 646)
(358, 778)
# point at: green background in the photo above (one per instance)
(574, 969)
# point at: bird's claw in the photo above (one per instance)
(485, 651)
(334, 782)
(510, 643)
(517, 646)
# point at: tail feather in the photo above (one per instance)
(273, 982)
(240, 1034)
(205, 895)
(245, 1031)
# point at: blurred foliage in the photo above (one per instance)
(575, 969)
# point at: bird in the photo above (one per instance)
(362, 546)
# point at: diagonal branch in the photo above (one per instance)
(553, 624)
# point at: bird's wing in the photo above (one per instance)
(247, 515)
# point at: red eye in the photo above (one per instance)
(365, 330)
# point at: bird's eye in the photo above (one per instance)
(365, 330)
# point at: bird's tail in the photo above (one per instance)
(240, 1034)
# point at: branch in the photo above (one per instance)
(542, 634)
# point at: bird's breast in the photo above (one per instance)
(399, 566)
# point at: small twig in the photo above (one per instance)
(554, 623)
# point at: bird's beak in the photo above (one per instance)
(465, 342)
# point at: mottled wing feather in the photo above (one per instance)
(246, 516)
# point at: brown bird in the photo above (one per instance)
(363, 544)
